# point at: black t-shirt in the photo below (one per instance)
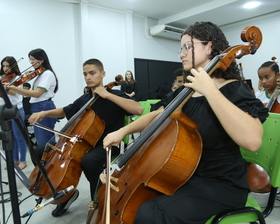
(109, 112)
(221, 157)
(129, 88)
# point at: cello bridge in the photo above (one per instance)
(54, 147)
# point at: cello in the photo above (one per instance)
(62, 163)
(156, 157)
(258, 178)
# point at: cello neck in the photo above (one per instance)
(176, 104)
(75, 116)
(108, 87)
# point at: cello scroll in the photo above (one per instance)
(251, 34)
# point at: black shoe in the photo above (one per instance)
(62, 208)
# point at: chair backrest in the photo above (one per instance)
(146, 106)
(126, 122)
(268, 155)
(152, 102)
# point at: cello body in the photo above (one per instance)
(276, 107)
(259, 181)
(63, 162)
(163, 165)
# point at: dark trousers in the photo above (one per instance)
(194, 203)
(93, 164)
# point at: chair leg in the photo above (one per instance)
(271, 202)
(219, 217)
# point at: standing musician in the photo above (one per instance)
(9, 72)
(111, 107)
(223, 107)
(44, 88)
(268, 74)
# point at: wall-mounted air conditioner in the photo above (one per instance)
(166, 31)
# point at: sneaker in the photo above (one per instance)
(62, 208)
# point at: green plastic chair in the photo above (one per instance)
(146, 106)
(268, 157)
(152, 101)
(126, 138)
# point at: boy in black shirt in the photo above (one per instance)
(111, 107)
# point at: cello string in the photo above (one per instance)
(274, 96)
(185, 91)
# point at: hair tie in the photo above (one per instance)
(274, 59)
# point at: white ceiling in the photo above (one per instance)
(181, 13)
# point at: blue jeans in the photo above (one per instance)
(42, 136)
(19, 143)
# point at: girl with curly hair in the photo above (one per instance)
(223, 107)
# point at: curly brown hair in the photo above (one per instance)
(207, 31)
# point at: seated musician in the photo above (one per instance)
(111, 107)
(268, 75)
(228, 116)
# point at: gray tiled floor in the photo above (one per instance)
(77, 212)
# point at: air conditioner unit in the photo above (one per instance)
(166, 31)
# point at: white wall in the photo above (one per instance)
(50, 25)
(270, 27)
(71, 33)
(107, 41)
(154, 48)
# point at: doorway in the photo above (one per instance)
(154, 78)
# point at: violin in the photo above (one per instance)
(62, 163)
(8, 78)
(158, 155)
(25, 78)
